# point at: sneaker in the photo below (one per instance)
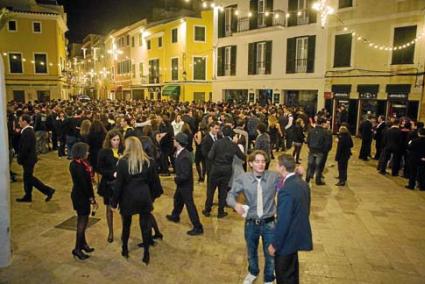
(249, 279)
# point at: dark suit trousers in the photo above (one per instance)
(342, 169)
(184, 196)
(30, 181)
(221, 181)
(287, 269)
(378, 147)
(365, 149)
(385, 157)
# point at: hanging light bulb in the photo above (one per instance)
(249, 14)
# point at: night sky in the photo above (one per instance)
(101, 16)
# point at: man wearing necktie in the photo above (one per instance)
(259, 188)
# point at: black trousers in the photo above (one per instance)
(30, 180)
(54, 140)
(221, 180)
(323, 163)
(184, 196)
(145, 227)
(287, 269)
(365, 149)
(62, 143)
(342, 169)
(163, 157)
(385, 157)
(297, 151)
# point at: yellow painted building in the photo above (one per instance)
(178, 60)
(33, 46)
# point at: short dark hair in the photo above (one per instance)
(261, 127)
(251, 156)
(214, 123)
(421, 131)
(227, 131)
(287, 161)
(79, 150)
(26, 117)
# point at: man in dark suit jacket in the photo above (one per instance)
(221, 154)
(27, 157)
(184, 181)
(379, 132)
(293, 230)
(391, 141)
(365, 130)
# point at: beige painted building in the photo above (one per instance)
(33, 47)
(375, 59)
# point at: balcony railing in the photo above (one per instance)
(278, 19)
(300, 65)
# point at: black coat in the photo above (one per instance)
(379, 132)
(95, 141)
(417, 151)
(184, 170)
(107, 166)
(297, 134)
(343, 149)
(135, 193)
(82, 187)
(365, 130)
(392, 139)
(27, 154)
(222, 153)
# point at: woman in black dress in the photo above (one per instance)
(82, 196)
(199, 159)
(107, 161)
(343, 153)
(137, 184)
(298, 139)
(95, 140)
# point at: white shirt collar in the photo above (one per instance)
(28, 126)
(288, 175)
(178, 152)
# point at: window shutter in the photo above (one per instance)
(233, 61)
(253, 8)
(269, 45)
(312, 14)
(269, 8)
(292, 8)
(252, 53)
(220, 61)
(291, 46)
(342, 52)
(311, 53)
(221, 24)
(402, 36)
(234, 20)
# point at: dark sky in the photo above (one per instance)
(100, 16)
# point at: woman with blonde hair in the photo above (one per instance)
(85, 130)
(136, 185)
(343, 153)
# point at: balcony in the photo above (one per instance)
(278, 19)
(301, 17)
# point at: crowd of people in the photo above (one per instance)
(124, 147)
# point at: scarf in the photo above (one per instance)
(86, 166)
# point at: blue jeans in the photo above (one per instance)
(253, 233)
(70, 141)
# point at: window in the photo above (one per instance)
(149, 44)
(261, 11)
(43, 96)
(141, 69)
(230, 20)
(19, 96)
(226, 61)
(174, 35)
(132, 41)
(124, 67)
(36, 27)
(260, 58)
(140, 39)
(342, 51)
(404, 35)
(133, 70)
(160, 41)
(199, 68)
(199, 97)
(12, 26)
(345, 4)
(300, 54)
(199, 33)
(15, 63)
(40, 62)
(128, 40)
(154, 71)
(174, 69)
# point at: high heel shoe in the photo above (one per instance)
(124, 252)
(146, 257)
(88, 249)
(79, 254)
(158, 236)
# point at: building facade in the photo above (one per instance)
(33, 46)
(375, 60)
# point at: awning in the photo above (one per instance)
(373, 89)
(398, 88)
(171, 91)
(344, 89)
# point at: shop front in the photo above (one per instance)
(344, 108)
(237, 96)
(172, 92)
(369, 103)
(307, 99)
(398, 101)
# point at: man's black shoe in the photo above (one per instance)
(24, 199)
(50, 195)
(409, 187)
(172, 218)
(206, 213)
(341, 183)
(196, 231)
(320, 183)
(382, 173)
(222, 214)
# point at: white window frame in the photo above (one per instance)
(205, 33)
(171, 68)
(22, 62)
(41, 27)
(261, 58)
(261, 17)
(47, 63)
(228, 15)
(16, 25)
(193, 67)
(227, 60)
(303, 41)
(303, 18)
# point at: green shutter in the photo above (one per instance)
(269, 8)
(252, 54)
(403, 35)
(234, 19)
(253, 8)
(220, 61)
(290, 54)
(311, 45)
(233, 61)
(221, 23)
(342, 50)
(293, 9)
(269, 45)
(312, 14)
